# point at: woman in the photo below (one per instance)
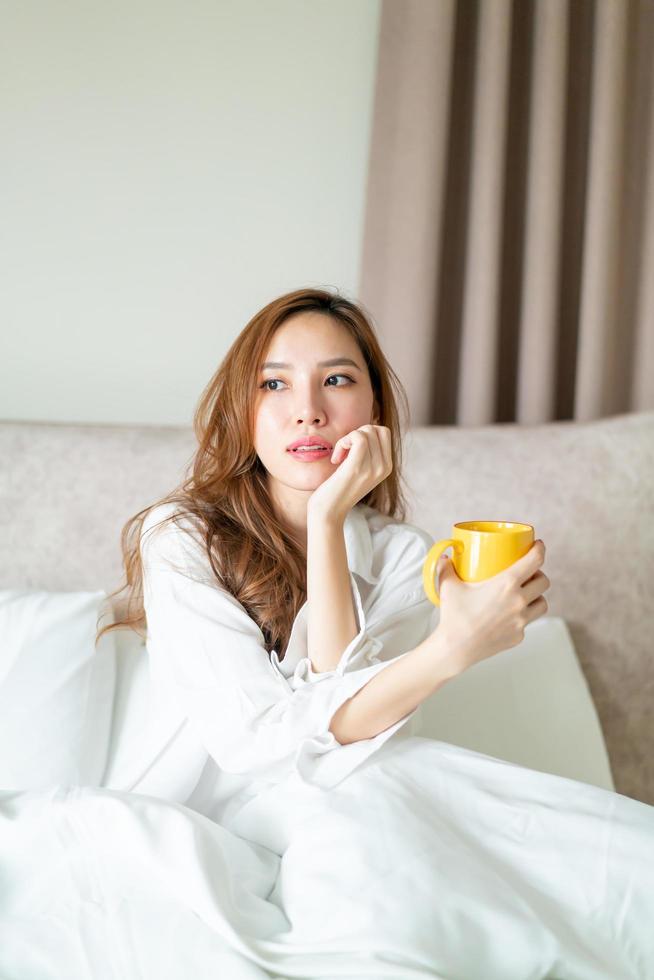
(290, 646)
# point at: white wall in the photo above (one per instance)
(167, 169)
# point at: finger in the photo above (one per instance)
(375, 447)
(341, 446)
(386, 443)
(536, 609)
(348, 442)
(535, 586)
(370, 440)
(386, 446)
(524, 567)
(366, 440)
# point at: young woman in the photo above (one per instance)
(288, 626)
(290, 645)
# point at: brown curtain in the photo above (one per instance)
(508, 255)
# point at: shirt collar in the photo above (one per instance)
(358, 542)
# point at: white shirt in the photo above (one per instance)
(241, 719)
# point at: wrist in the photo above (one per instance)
(324, 517)
(448, 651)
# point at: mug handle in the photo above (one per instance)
(429, 568)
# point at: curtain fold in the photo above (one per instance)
(539, 312)
(477, 368)
(508, 249)
(599, 334)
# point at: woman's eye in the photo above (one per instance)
(278, 380)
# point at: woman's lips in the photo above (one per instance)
(307, 455)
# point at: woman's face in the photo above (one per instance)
(306, 398)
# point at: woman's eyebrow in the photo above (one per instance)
(330, 363)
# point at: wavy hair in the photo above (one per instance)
(224, 491)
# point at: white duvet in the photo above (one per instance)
(428, 861)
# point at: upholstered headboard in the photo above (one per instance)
(587, 487)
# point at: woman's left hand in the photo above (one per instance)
(363, 458)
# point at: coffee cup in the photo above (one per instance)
(481, 549)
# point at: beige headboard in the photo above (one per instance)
(588, 489)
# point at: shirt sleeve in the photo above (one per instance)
(250, 717)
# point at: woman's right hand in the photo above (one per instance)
(480, 619)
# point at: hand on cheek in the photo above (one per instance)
(341, 450)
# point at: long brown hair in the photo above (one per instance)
(226, 497)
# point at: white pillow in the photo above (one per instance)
(56, 690)
(529, 705)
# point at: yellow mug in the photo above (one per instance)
(481, 550)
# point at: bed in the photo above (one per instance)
(574, 699)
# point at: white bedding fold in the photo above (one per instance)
(428, 861)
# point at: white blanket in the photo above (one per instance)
(429, 860)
